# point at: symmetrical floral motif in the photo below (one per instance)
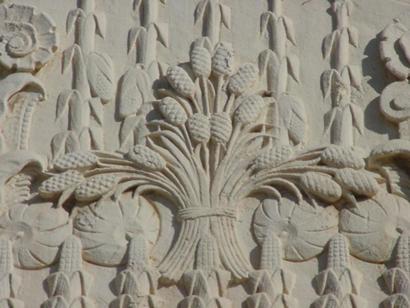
(27, 39)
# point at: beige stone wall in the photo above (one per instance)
(206, 153)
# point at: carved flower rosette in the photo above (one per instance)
(27, 39)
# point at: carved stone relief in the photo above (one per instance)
(152, 156)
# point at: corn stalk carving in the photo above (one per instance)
(338, 285)
(343, 80)
(397, 278)
(213, 15)
(93, 83)
(279, 65)
(136, 84)
(271, 284)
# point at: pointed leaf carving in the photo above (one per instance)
(225, 15)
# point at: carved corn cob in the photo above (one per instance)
(272, 157)
(221, 127)
(199, 128)
(180, 81)
(173, 111)
(338, 255)
(137, 254)
(223, 60)
(249, 109)
(207, 257)
(271, 257)
(244, 79)
(60, 182)
(146, 158)
(201, 61)
(403, 252)
(70, 257)
(342, 157)
(358, 182)
(94, 187)
(321, 186)
(75, 160)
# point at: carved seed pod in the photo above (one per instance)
(223, 60)
(338, 255)
(199, 127)
(59, 183)
(207, 255)
(180, 81)
(145, 158)
(137, 254)
(271, 255)
(244, 79)
(173, 111)
(201, 61)
(94, 187)
(249, 109)
(70, 257)
(76, 160)
(342, 157)
(403, 252)
(358, 182)
(273, 157)
(321, 186)
(221, 127)
(6, 255)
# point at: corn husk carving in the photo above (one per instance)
(207, 284)
(93, 83)
(339, 284)
(70, 285)
(136, 285)
(397, 279)
(9, 281)
(271, 285)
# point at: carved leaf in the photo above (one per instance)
(97, 110)
(100, 73)
(265, 19)
(321, 186)
(72, 19)
(293, 66)
(134, 35)
(200, 10)
(328, 45)
(69, 54)
(355, 74)
(63, 143)
(100, 23)
(97, 137)
(353, 36)
(225, 15)
(162, 31)
(259, 300)
(64, 100)
(290, 29)
(135, 89)
(358, 117)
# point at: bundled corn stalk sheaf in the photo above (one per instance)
(338, 285)
(397, 279)
(93, 83)
(211, 149)
(271, 284)
(70, 285)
